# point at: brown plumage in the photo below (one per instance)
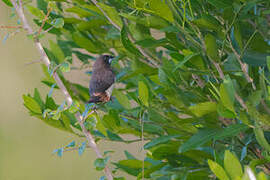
(102, 80)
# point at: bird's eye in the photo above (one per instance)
(110, 59)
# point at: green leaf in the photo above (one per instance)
(148, 21)
(82, 148)
(65, 67)
(186, 59)
(238, 35)
(160, 8)
(127, 43)
(100, 163)
(255, 98)
(112, 13)
(57, 51)
(208, 22)
(259, 134)
(143, 93)
(58, 22)
(159, 140)
(79, 11)
(151, 42)
(221, 4)
(255, 58)
(31, 104)
(232, 165)
(8, 3)
(129, 155)
(211, 47)
(268, 62)
(231, 131)
(134, 163)
(122, 99)
(113, 136)
(227, 94)
(36, 12)
(71, 144)
(261, 176)
(38, 99)
(198, 139)
(84, 42)
(204, 108)
(217, 170)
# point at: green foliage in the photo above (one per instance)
(181, 82)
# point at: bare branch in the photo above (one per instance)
(60, 84)
(10, 27)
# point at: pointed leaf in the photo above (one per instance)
(122, 99)
(8, 3)
(231, 131)
(198, 139)
(161, 9)
(112, 13)
(143, 93)
(58, 22)
(127, 43)
(57, 51)
(31, 104)
(36, 12)
(204, 108)
(217, 170)
(232, 165)
(159, 140)
(211, 47)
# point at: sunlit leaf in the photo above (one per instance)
(232, 165)
(122, 99)
(143, 93)
(198, 139)
(217, 170)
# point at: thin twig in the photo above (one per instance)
(244, 66)
(11, 27)
(237, 97)
(33, 62)
(248, 42)
(230, 27)
(44, 20)
(60, 84)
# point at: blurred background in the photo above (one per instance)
(26, 144)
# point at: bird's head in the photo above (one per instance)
(107, 59)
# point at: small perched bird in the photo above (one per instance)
(102, 80)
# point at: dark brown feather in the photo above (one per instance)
(102, 79)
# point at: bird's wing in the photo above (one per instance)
(101, 81)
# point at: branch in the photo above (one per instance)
(244, 66)
(44, 20)
(46, 61)
(151, 62)
(237, 97)
(10, 27)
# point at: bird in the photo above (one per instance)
(102, 80)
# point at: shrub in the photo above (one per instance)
(194, 78)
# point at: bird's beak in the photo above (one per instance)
(110, 59)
